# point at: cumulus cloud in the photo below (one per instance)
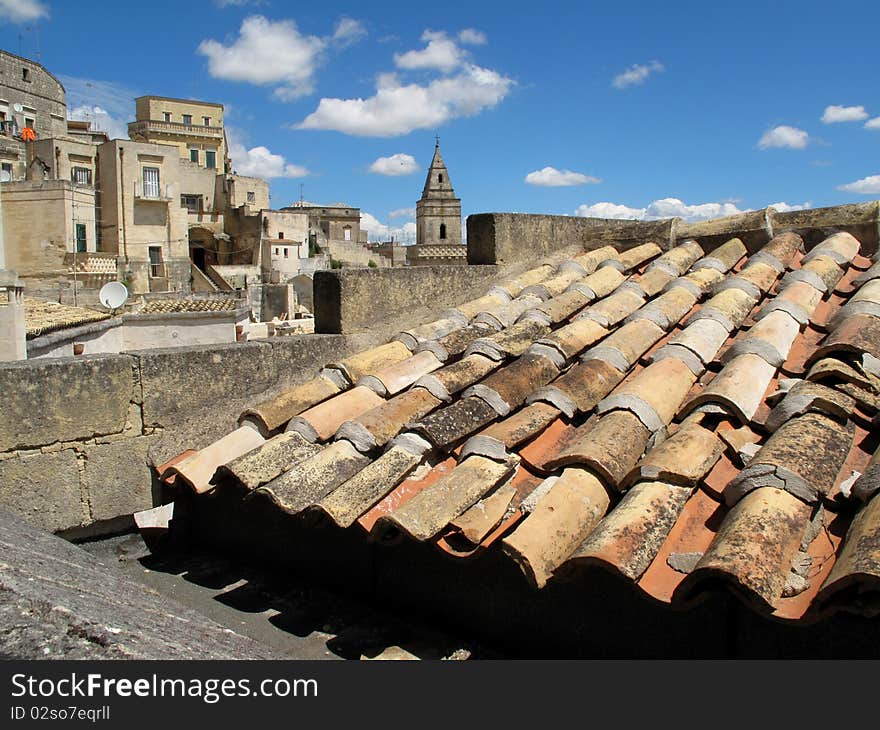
(108, 105)
(403, 213)
(866, 186)
(873, 123)
(670, 208)
(396, 109)
(348, 31)
(259, 161)
(472, 37)
(22, 11)
(551, 177)
(636, 74)
(442, 53)
(100, 119)
(834, 114)
(377, 232)
(399, 164)
(784, 136)
(267, 53)
(785, 207)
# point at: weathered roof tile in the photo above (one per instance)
(379, 425)
(277, 411)
(320, 422)
(198, 470)
(270, 459)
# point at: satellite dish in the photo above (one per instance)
(18, 107)
(113, 294)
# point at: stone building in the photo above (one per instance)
(438, 220)
(438, 212)
(195, 127)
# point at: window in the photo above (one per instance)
(28, 122)
(440, 178)
(442, 230)
(25, 74)
(210, 159)
(6, 169)
(193, 203)
(156, 268)
(280, 235)
(187, 119)
(81, 175)
(194, 156)
(80, 237)
(166, 116)
(206, 121)
(346, 233)
(286, 252)
(151, 182)
(277, 251)
(251, 197)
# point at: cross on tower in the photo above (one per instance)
(437, 140)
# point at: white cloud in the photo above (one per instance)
(834, 114)
(403, 213)
(551, 177)
(259, 161)
(866, 186)
(107, 104)
(610, 210)
(670, 208)
(267, 53)
(101, 120)
(21, 11)
(442, 53)
(784, 136)
(399, 164)
(785, 207)
(472, 36)
(377, 231)
(398, 109)
(348, 31)
(873, 123)
(636, 74)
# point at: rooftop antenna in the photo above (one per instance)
(301, 195)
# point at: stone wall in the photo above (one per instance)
(510, 238)
(79, 435)
(388, 300)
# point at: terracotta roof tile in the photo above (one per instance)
(276, 412)
(428, 512)
(314, 478)
(269, 460)
(41, 317)
(378, 426)
(198, 469)
(681, 452)
(320, 422)
(166, 306)
(561, 520)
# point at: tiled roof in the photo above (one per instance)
(165, 306)
(42, 317)
(687, 420)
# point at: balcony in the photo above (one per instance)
(151, 193)
(154, 126)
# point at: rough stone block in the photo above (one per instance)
(361, 300)
(510, 238)
(63, 399)
(118, 478)
(179, 382)
(44, 489)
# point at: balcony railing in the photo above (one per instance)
(151, 192)
(161, 127)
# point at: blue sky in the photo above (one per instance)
(619, 109)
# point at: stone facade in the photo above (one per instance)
(438, 212)
(194, 127)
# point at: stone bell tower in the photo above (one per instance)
(438, 212)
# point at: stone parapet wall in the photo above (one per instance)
(511, 238)
(79, 436)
